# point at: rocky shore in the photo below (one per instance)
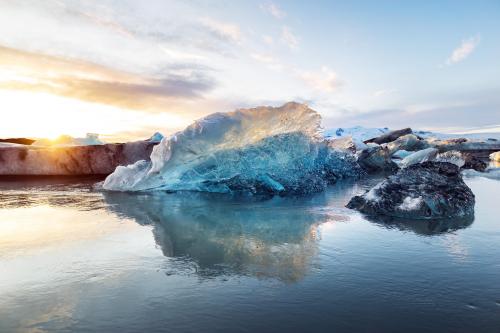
(103, 159)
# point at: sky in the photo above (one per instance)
(127, 68)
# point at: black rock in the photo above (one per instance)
(20, 141)
(472, 162)
(429, 190)
(391, 136)
(373, 159)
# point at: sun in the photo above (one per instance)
(44, 115)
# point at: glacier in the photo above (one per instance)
(263, 150)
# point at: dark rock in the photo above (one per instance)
(20, 141)
(389, 137)
(408, 142)
(429, 190)
(472, 162)
(376, 158)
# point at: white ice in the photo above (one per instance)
(419, 157)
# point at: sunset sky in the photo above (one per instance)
(127, 68)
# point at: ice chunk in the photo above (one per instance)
(419, 157)
(156, 137)
(260, 150)
(491, 173)
(400, 154)
(451, 156)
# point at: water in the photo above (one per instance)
(75, 259)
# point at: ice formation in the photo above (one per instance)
(260, 150)
(418, 157)
(156, 137)
(451, 156)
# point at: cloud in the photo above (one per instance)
(274, 10)
(289, 38)
(222, 30)
(324, 80)
(268, 39)
(384, 92)
(270, 61)
(463, 51)
(96, 83)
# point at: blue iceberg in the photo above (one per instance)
(264, 150)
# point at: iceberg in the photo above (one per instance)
(264, 150)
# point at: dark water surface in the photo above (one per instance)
(73, 259)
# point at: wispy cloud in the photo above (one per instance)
(96, 83)
(274, 10)
(269, 40)
(289, 38)
(325, 80)
(223, 30)
(271, 62)
(463, 51)
(384, 92)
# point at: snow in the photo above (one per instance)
(91, 139)
(410, 203)
(357, 133)
(264, 149)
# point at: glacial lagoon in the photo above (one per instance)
(77, 259)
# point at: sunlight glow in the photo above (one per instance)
(43, 115)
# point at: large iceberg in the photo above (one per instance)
(263, 150)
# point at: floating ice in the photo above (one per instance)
(451, 156)
(418, 157)
(156, 137)
(260, 150)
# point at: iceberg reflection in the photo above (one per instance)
(221, 235)
(423, 227)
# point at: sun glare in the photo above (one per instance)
(43, 115)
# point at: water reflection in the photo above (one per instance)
(423, 227)
(221, 235)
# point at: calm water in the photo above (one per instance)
(75, 259)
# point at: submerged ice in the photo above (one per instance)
(264, 150)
